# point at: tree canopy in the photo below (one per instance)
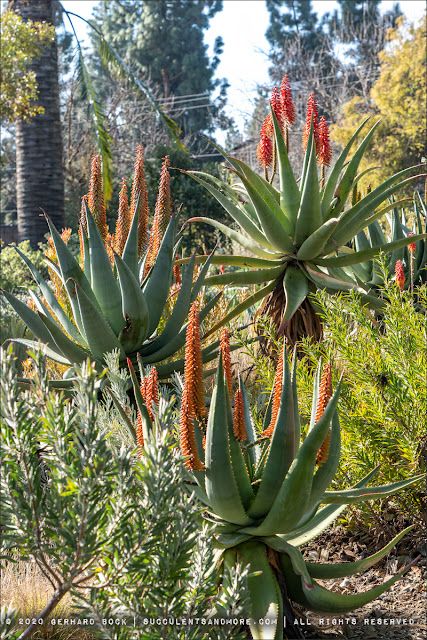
(21, 42)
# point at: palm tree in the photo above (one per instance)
(40, 180)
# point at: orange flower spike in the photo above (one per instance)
(311, 116)
(193, 370)
(288, 107)
(325, 391)
(151, 391)
(123, 220)
(96, 196)
(399, 274)
(324, 153)
(187, 440)
(239, 427)
(139, 435)
(325, 394)
(177, 274)
(226, 358)
(139, 187)
(277, 396)
(162, 214)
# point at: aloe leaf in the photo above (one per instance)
(295, 286)
(367, 254)
(316, 388)
(50, 298)
(321, 519)
(73, 353)
(134, 308)
(235, 212)
(221, 486)
(329, 190)
(343, 569)
(310, 594)
(86, 256)
(43, 348)
(289, 193)
(355, 218)
(351, 496)
(99, 335)
(179, 313)
(233, 260)
(156, 288)
(325, 281)
(347, 181)
(242, 278)
(286, 512)
(281, 452)
(272, 219)
(253, 450)
(31, 319)
(309, 217)
(265, 599)
(313, 245)
(238, 464)
(104, 284)
(241, 307)
(130, 251)
(235, 236)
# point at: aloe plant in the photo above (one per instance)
(297, 237)
(116, 302)
(409, 261)
(268, 493)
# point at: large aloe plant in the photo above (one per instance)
(268, 494)
(297, 237)
(114, 301)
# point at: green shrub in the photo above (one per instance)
(14, 274)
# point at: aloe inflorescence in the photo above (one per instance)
(115, 297)
(268, 495)
(303, 235)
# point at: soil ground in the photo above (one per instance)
(399, 613)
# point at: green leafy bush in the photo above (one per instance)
(121, 536)
(384, 392)
(13, 272)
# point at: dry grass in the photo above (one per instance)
(27, 591)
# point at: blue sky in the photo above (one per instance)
(242, 25)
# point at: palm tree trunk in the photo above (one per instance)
(40, 178)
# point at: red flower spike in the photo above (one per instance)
(412, 247)
(193, 370)
(312, 116)
(239, 427)
(277, 396)
(162, 215)
(288, 107)
(267, 128)
(264, 151)
(139, 435)
(324, 153)
(177, 274)
(399, 275)
(276, 105)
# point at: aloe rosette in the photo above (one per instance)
(300, 236)
(268, 495)
(117, 302)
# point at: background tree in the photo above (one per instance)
(398, 97)
(40, 180)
